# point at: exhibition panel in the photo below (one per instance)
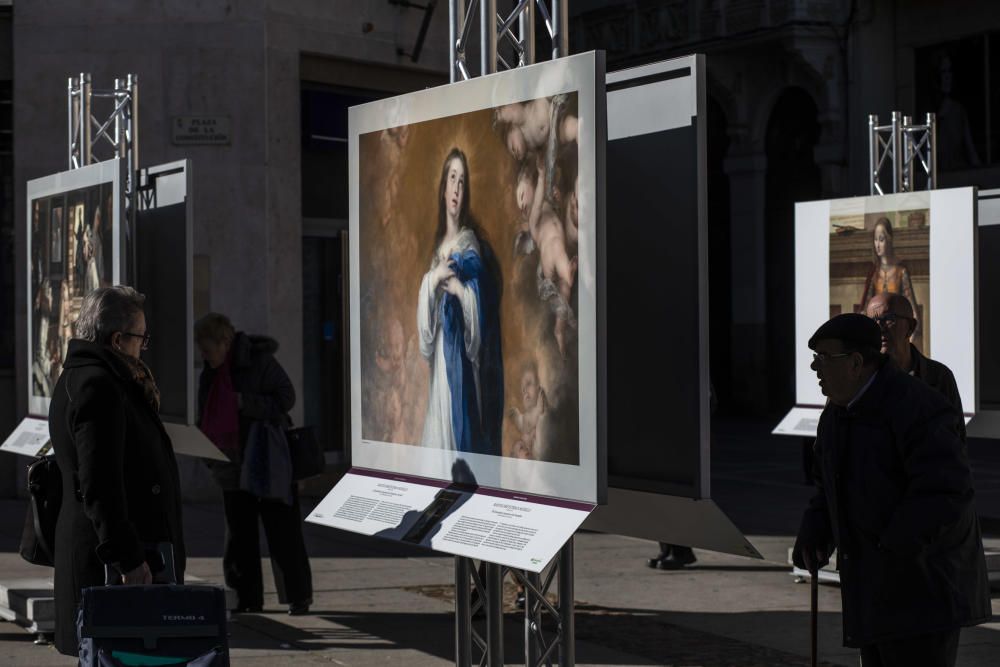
(164, 273)
(989, 316)
(921, 245)
(477, 281)
(657, 278)
(986, 423)
(659, 392)
(74, 241)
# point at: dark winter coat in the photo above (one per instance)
(940, 377)
(896, 499)
(121, 489)
(266, 393)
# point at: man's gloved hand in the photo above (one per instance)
(812, 546)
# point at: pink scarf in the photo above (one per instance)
(220, 420)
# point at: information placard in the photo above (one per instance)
(30, 438)
(495, 526)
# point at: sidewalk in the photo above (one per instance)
(379, 604)
(374, 607)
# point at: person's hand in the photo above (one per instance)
(444, 272)
(140, 575)
(809, 557)
(454, 286)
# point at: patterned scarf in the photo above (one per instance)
(143, 377)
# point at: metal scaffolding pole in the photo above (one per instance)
(487, 37)
(119, 129)
(482, 588)
(902, 145)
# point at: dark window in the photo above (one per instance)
(324, 150)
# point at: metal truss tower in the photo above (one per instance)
(902, 145)
(496, 30)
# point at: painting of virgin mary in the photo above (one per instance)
(458, 321)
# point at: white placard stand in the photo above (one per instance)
(506, 532)
(30, 438)
(509, 529)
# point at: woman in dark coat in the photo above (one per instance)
(242, 383)
(121, 491)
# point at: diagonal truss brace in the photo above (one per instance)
(479, 594)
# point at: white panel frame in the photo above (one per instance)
(583, 73)
(952, 284)
(109, 171)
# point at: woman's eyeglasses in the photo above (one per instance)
(145, 338)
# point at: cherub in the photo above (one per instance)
(556, 270)
(390, 197)
(394, 423)
(525, 126)
(527, 129)
(390, 355)
(573, 215)
(535, 406)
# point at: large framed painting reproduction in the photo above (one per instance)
(919, 245)
(74, 246)
(476, 257)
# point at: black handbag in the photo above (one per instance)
(306, 453)
(38, 539)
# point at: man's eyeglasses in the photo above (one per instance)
(889, 321)
(145, 338)
(822, 357)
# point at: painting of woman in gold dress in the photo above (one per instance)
(888, 274)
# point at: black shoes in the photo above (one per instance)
(655, 562)
(298, 609)
(249, 609)
(673, 558)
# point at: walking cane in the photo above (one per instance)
(814, 613)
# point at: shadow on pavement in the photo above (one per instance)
(604, 636)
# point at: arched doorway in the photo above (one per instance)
(792, 176)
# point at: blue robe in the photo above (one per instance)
(477, 421)
(460, 338)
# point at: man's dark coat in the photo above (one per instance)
(121, 488)
(940, 377)
(896, 499)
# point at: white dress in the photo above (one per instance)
(438, 427)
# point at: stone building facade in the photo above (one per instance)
(790, 84)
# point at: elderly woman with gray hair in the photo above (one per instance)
(121, 502)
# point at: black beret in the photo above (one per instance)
(852, 329)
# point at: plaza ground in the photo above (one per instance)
(376, 604)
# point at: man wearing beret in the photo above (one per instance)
(894, 316)
(896, 500)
